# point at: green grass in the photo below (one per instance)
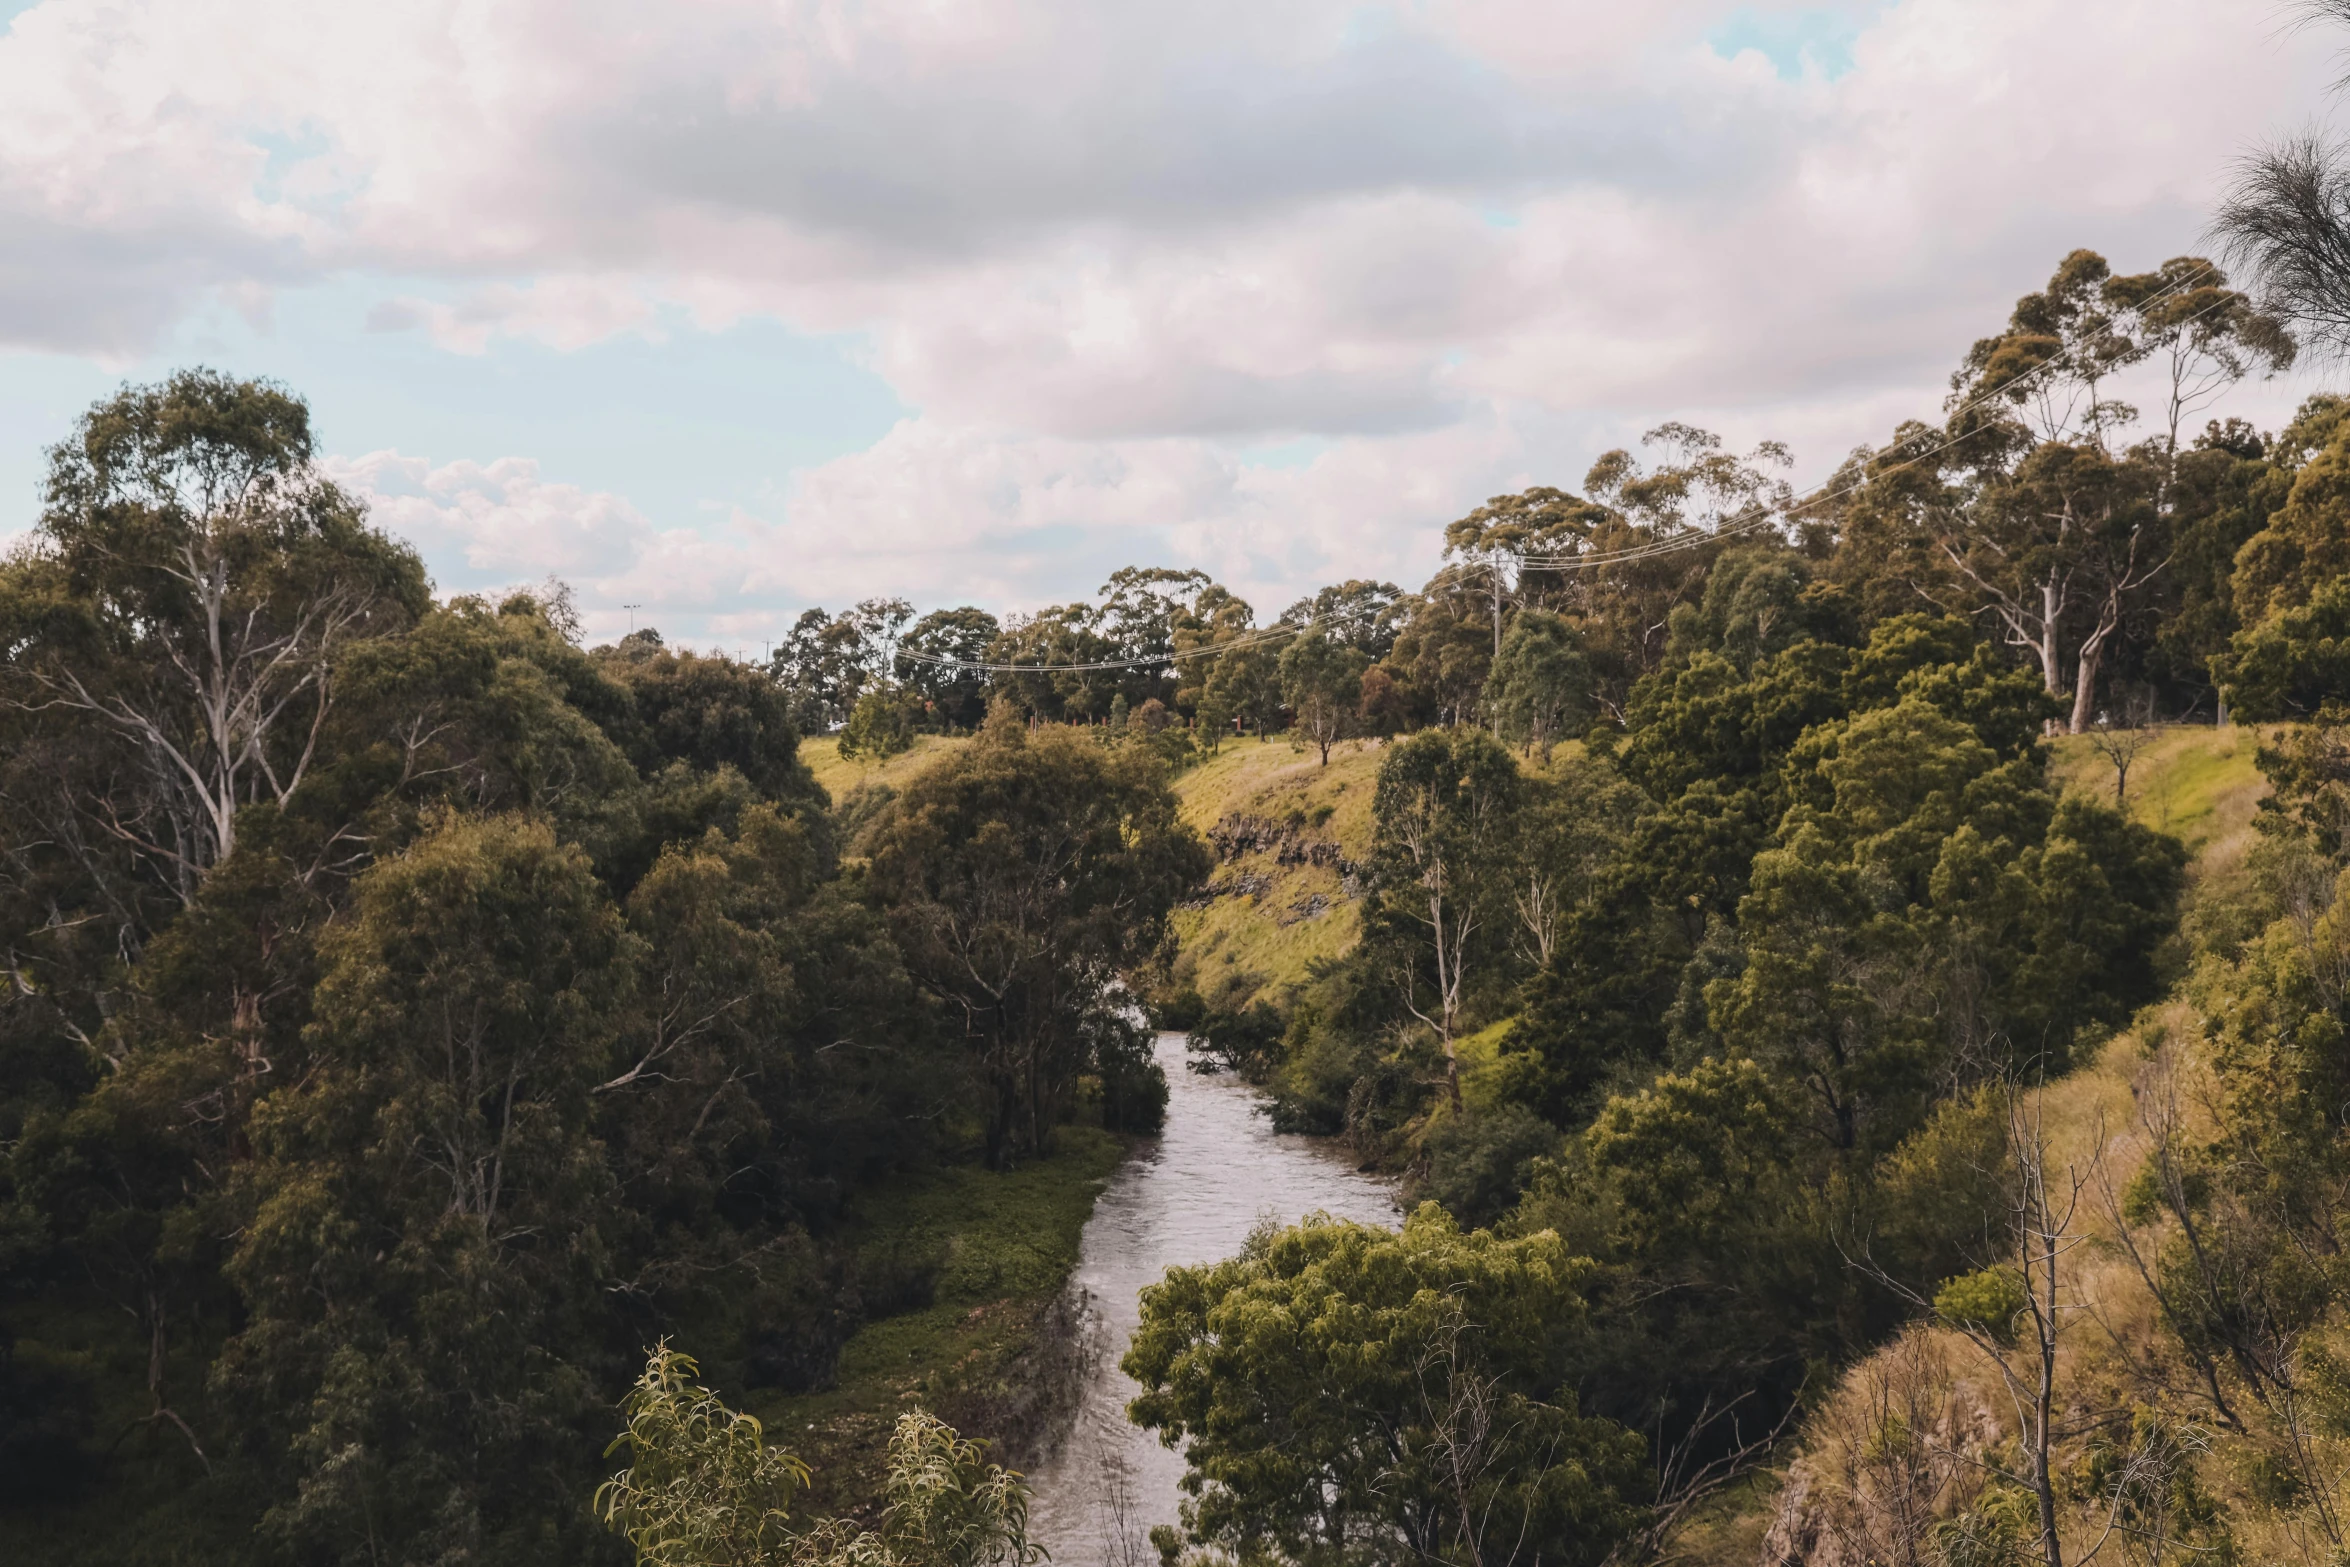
(1481, 1071)
(1269, 939)
(986, 1354)
(2198, 783)
(841, 775)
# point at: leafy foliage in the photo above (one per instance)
(1351, 1395)
(1021, 876)
(702, 1487)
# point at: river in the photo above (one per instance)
(1192, 1195)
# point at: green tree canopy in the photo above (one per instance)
(430, 1218)
(1348, 1395)
(1322, 681)
(1022, 875)
(1540, 688)
(188, 594)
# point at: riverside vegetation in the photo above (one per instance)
(1846, 1123)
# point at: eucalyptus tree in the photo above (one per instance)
(1490, 539)
(1446, 812)
(827, 661)
(1541, 683)
(1322, 682)
(1022, 876)
(956, 694)
(2203, 335)
(1359, 613)
(182, 607)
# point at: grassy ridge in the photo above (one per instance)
(1268, 936)
(2192, 781)
(841, 775)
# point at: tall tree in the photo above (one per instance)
(1445, 811)
(1322, 681)
(190, 588)
(956, 696)
(1541, 683)
(2204, 335)
(1490, 539)
(827, 661)
(421, 1267)
(2060, 551)
(1022, 876)
(2061, 346)
(1357, 612)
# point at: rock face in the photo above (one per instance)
(1896, 1452)
(1239, 834)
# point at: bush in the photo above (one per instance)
(1134, 1085)
(1478, 1165)
(1134, 1097)
(881, 725)
(1247, 1041)
(1989, 1299)
(1316, 1081)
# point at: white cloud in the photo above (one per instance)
(1101, 248)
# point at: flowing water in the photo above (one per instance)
(1191, 1196)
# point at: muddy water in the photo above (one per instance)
(1192, 1196)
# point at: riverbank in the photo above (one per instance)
(993, 1352)
(1189, 1196)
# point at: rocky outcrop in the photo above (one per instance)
(1288, 842)
(1897, 1450)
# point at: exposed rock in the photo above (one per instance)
(1898, 1449)
(1239, 834)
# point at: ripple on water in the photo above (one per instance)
(1191, 1196)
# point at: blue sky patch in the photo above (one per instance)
(683, 428)
(1821, 39)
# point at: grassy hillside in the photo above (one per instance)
(1262, 922)
(2194, 781)
(2201, 784)
(840, 775)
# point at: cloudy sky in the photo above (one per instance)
(726, 308)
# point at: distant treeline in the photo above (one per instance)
(2101, 546)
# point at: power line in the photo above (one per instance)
(1265, 634)
(1754, 519)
